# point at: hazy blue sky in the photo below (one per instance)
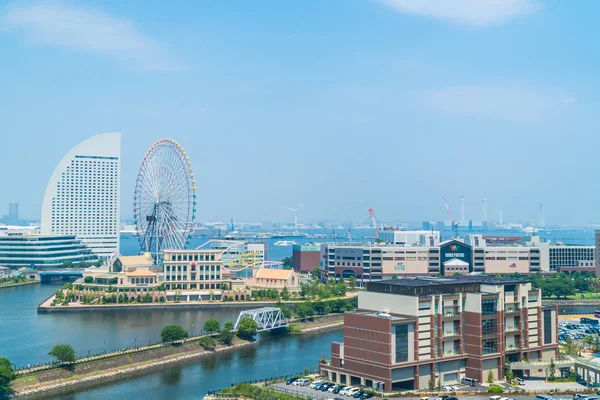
(340, 104)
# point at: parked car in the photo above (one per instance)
(338, 389)
(520, 381)
(469, 381)
(301, 382)
(366, 396)
(344, 391)
(351, 392)
(448, 389)
(456, 388)
(326, 386)
(318, 385)
(312, 385)
(291, 380)
(357, 395)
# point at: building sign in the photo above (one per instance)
(400, 267)
(513, 265)
(456, 250)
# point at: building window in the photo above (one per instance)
(488, 307)
(401, 343)
(489, 346)
(489, 326)
(547, 326)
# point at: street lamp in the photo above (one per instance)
(134, 342)
(276, 373)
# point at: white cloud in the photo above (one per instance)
(494, 102)
(477, 13)
(568, 100)
(58, 24)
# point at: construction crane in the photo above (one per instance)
(454, 224)
(374, 223)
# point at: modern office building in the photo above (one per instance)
(42, 251)
(407, 332)
(305, 257)
(571, 257)
(82, 196)
(13, 213)
(376, 262)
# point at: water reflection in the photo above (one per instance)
(171, 376)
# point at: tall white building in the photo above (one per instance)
(82, 196)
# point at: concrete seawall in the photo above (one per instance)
(45, 307)
(119, 373)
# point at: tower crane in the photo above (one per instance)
(454, 224)
(374, 223)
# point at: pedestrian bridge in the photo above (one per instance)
(267, 318)
(66, 274)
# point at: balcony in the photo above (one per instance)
(451, 333)
(512, 347)
(511, 310)
(450, 312)
(509, 329)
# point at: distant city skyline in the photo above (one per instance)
(340, 105)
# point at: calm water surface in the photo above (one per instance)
(26, 337)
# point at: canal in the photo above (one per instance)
(28, 336)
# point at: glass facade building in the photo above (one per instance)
(42, 251)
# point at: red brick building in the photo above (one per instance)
(305, 257)
(410, 331)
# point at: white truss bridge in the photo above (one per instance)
(267, 318)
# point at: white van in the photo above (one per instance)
(495, 398)
(543, 397)
(469, 381)
(302, 382)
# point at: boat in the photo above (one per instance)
(284, 243)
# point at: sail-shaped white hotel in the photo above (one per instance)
(82, 196)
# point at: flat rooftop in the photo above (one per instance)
(426, 285)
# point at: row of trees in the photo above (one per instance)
(316, 289)
(247, 329)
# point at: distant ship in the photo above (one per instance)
(284, 243)
(287, 235)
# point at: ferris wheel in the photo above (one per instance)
(164, 204)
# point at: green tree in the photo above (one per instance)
(88, 279)
(352, 282)
(395, 276)
(212, 325)
(287, 262)
(98, 263)
(490, 378)
(315, 273)
(224, 286)
(226, 334)
(285, 293)
(172, 333)
(306, 371)
(7, 375)
(63, 353)
(284, 309)
(430, 385)
(439, 383)
(552, 370)
(208, 343)
(67, 264)
(509, 376)
(247, 329)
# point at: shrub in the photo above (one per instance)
(495, 389)
(208, 343)
(88, 279)
(247, 328)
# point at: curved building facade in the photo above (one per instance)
(82, 196)
(42, 251)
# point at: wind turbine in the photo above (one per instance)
(294, 210)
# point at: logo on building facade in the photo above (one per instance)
(453, 248)
(513, 265)
(400, 267)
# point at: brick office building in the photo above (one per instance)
(409, 331)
